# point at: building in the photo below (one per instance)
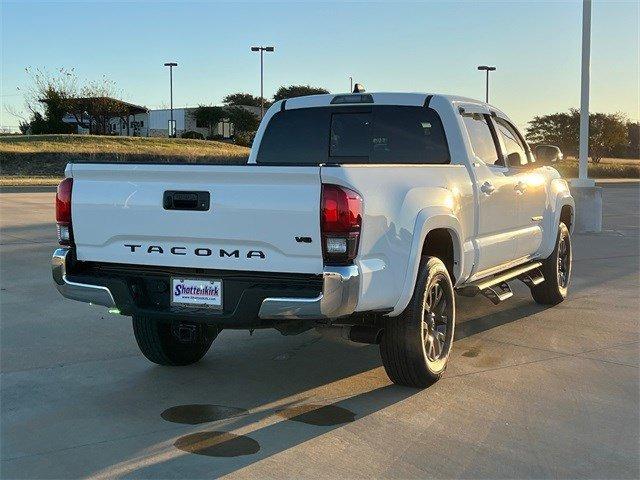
(158, 123)
(138, 121)
(106, 116)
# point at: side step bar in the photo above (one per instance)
(496, 288)
(498, 293)
(532, 277)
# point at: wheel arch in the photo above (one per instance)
(562, 204)
(567, 216)
(561, 208)
(436, 233)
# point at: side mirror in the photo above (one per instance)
(514, 159)
(547, 154)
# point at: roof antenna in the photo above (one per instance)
(358, 88)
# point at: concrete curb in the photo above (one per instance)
(27, 188)
(617, 181)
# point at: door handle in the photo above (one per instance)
(487, 188)
(174, 200)
(520, 188)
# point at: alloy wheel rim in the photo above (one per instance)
(436, 320)
(564, 259)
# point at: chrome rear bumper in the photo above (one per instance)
(339, 297)
(83, 292)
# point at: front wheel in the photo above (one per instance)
(556, 270)
(160, 345)
(415, 345)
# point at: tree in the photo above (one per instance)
(47, 99)
(38, 125)
(607, 132)
(98, 104)
(56, 105)
(560, 129)
(243, 120)
(633, 135)
(25, 127)
(240, 98)
(52, 96)
(209, 116)
(298, 91)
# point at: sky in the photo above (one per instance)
(430, 46)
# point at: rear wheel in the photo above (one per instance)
(556, 270)
(415, 346)
(159, 342)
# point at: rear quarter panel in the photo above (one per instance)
(401, 203)
(558, 196)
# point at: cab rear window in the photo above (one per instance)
(381, 134)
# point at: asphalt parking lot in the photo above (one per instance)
(530, 392)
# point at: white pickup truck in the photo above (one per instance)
(365, 211)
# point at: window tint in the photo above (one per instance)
(350, 135)
(298, 137)
(381, 134)
(481, 138)
(511, 140)
(408, 135)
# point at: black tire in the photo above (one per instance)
(408, 346)
(160, 346)
(556, 270)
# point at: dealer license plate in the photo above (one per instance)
(196, 292)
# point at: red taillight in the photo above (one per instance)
(340, 223)
(63, 211)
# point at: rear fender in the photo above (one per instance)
(560, 196)
(429, 219)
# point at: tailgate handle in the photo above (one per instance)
(179, 200)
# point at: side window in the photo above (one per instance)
(481, 139)
(512, 143)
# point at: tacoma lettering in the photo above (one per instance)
(199, 252)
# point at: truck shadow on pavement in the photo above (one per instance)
(478, 324)
(251, 438)
(251, 408)
(243, 409)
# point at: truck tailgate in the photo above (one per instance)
(260, 218)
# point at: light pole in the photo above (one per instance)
(350, 84)
(588, 196)
(262, 50)
(171, 124)
(583, 156)
(488, 69)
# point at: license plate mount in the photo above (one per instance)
(196, 292)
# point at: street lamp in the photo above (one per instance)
(172, 129)
(262, 50)
(488, 69)
(588, 197)
(583, 152)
